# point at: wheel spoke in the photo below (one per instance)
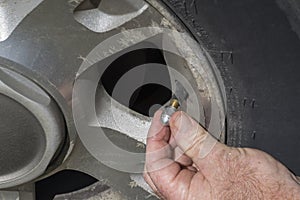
(110, 14)
(17, 9)
(25, 192)
(82, 160)
(115, 116)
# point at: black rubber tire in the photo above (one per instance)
(261, 75)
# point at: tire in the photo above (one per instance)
(257, 52)
(253, 44)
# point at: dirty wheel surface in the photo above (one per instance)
(81, 80)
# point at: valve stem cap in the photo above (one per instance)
(168, 111)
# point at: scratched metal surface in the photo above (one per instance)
(52, 45)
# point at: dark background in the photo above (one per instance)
(258, 54)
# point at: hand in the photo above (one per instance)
(182, 163)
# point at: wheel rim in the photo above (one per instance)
(67, 59)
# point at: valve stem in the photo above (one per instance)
(168, 111)
(178, 99)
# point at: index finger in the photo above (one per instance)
(160, 167)
(158, 149)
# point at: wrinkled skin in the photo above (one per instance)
(176, 169)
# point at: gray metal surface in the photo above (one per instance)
(110, 15)
(21, 138)
(24, 192)
(50, 45)
(12, 12)
(92, 192)
(113, 115)
(121, 182)
(49, 51)
(31, 131)
(16, 195)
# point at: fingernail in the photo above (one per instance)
(157, 113)
(156, 126)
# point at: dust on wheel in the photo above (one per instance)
(81, 79)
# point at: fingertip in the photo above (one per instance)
(156, 119)
(157, 114)
(175, 118)
(156, 126)
(181, 122)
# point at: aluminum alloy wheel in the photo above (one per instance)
(59, 44)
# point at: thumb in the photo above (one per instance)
(191, 138)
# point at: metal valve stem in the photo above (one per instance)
(168, 111)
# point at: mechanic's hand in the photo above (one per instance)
(210, 170)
